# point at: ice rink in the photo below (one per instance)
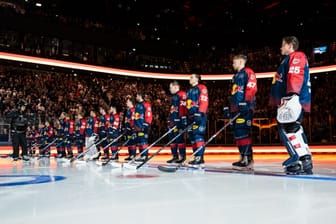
(50, 191)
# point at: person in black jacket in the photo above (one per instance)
(19, 124)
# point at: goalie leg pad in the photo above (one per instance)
(300, 160)
(295, 140)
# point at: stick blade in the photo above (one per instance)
(115, 164)
(100, 163)
(130, 166)
(80, 162)
(168, 169)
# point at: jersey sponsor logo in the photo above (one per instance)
(240, 121)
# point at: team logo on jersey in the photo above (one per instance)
(189, 101)
(235, 89)
(173, 109)
(277, 78)
(296, 61)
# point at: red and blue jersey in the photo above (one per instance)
(129, 118)
(92, 125)
(139, 118)
(103, 124)
(178, 106)
(143, 114)
(292, 76)
(50, 131)
(81, 126)
(197, 99)
(68, 126)
(114, 124)
(244, 88)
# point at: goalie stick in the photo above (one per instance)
(172, 169)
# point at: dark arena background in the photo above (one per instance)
(64, 56)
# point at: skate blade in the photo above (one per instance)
(200, 166)
(242, 168)
(299, 173)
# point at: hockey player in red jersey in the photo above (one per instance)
(129, 131)
(142, 122)
(68, 127)
(80, 125)
(291, 94)
(197, 105)
(242, 101)
(91, 135)
(103, 123)
(178, 118)
(113, 130)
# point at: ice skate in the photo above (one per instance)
(245, 163)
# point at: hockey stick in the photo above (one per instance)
(116, 164)
(108, 145)
(150, 146)
(32, 149)
(46, 147)
(168, 143)
(59, 143)
(172, 169)
(87, 150)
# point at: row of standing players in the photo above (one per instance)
(290, 96)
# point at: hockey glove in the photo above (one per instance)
(226, 112)
(177, 122)
(184, 122)
(243, 107)
(145, 127)
(171, 124)
(198, 118)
